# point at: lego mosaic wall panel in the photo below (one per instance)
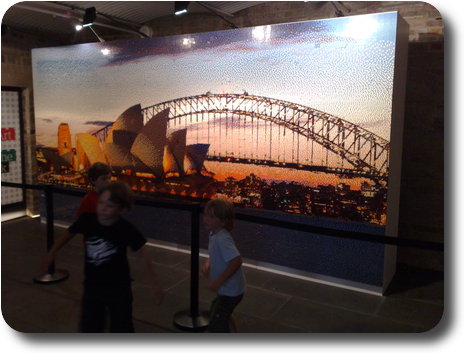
(291, 117)
(11, 147)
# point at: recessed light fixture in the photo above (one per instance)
(180, 7)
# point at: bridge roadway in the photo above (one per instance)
(344, 172)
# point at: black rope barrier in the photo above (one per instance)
(190, 206)
(190, 320)
(193, 319)
(361, 236)
(53, 275)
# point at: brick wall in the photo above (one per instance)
(422, 181)
(422, 189)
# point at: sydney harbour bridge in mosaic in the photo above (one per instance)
(181, 148)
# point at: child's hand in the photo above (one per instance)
(214, 286)
(205, 269)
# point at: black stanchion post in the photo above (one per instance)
(53, 275)
(194, 262)
(193, 319)
(50, 224)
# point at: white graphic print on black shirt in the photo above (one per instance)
(106, 261)
(99, 250)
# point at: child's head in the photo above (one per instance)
(219, 213)
(115, 198)
(99, 175)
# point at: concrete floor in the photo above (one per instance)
(272, 303)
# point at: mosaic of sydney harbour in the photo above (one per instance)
(294, 117)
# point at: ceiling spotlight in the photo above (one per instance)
(180, 7)
(89, 16)
(105, 51)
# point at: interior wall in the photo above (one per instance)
(422, 182)
(17, 72)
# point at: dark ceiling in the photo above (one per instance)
(124, 17)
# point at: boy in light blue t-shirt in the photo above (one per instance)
(224, 266)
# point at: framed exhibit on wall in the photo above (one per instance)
(300, 119)
(12, 149)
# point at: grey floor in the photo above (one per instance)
(272, 304)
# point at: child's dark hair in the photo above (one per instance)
(96, 170)
(222, 209)
(120, 194)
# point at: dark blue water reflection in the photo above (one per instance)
(342, 258)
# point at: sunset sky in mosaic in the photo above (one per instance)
(341, 66)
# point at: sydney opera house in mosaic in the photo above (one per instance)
(130, 148)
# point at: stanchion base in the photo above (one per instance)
(49, 278)
(184, 321)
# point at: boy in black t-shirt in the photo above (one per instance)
(107, 281)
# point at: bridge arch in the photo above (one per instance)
(367, 153)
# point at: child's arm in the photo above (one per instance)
(231, 268)
(50, 256)
(143, 258)
(205, 268)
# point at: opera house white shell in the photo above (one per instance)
(88, 151)
(131, 146)
(120, 158)
(149, 143)
(174, 152)
(195, 156)
(126, 127)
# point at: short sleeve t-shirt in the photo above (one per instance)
(222, 249)
(89, 203)
(106, 261)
